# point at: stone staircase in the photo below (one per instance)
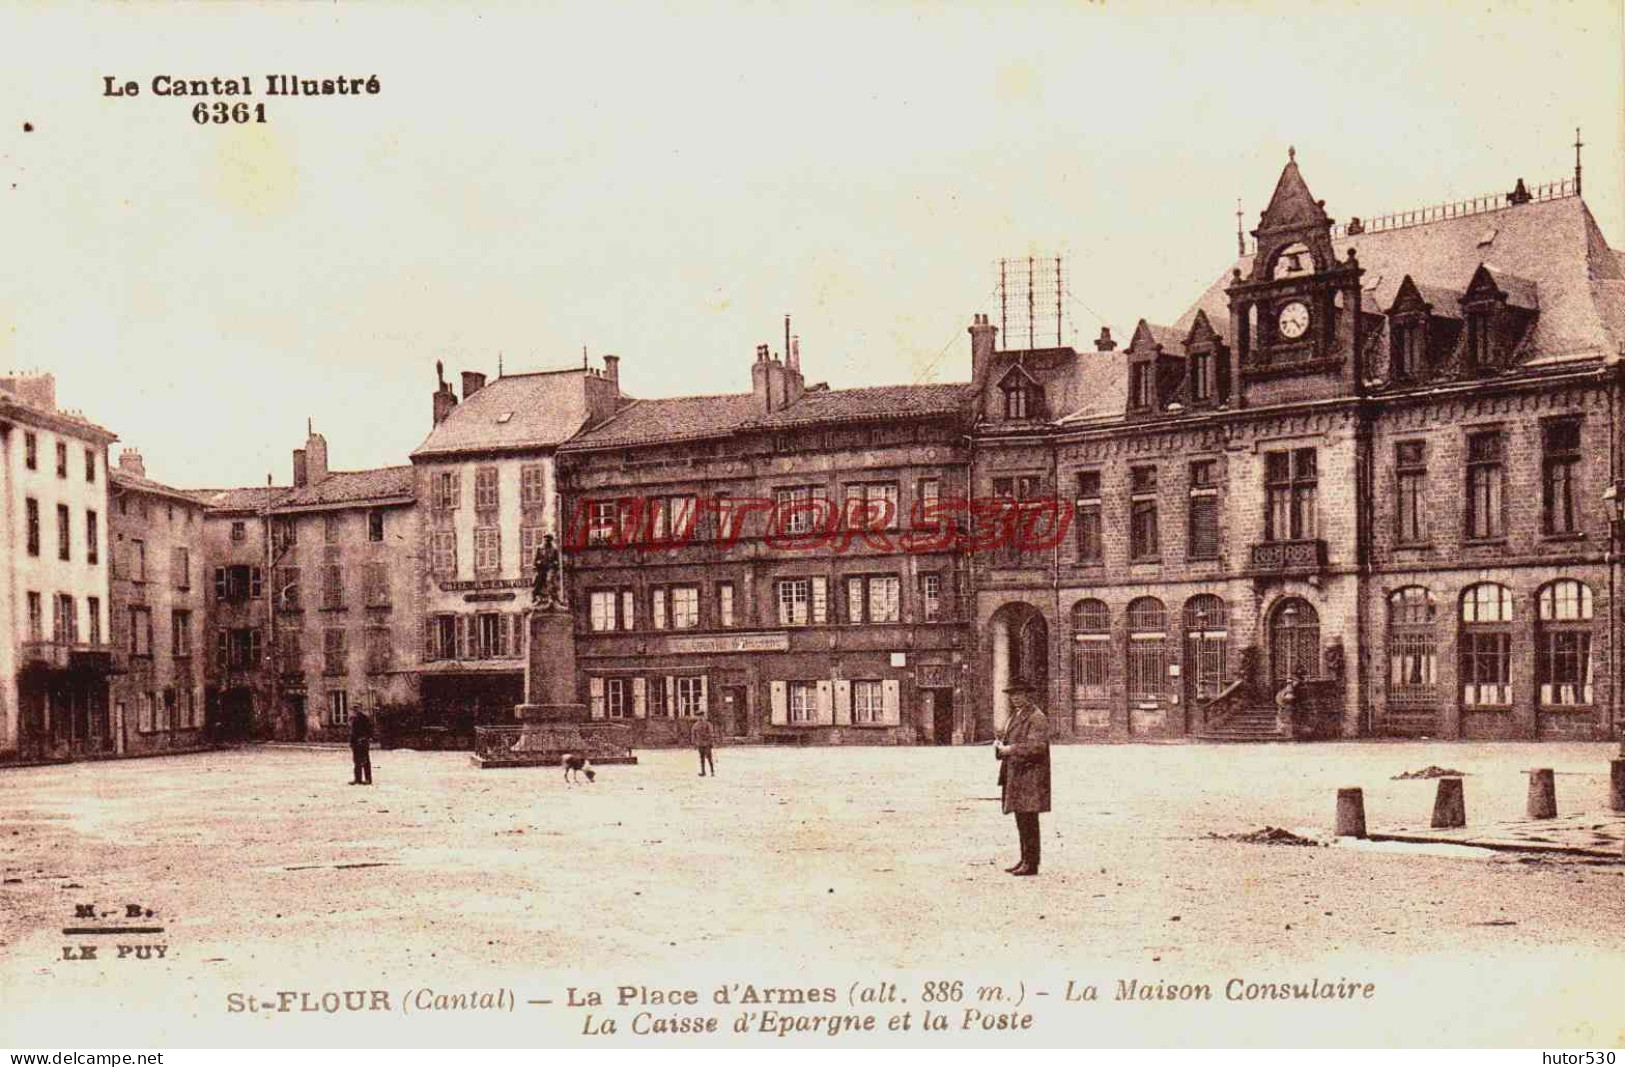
(1245, 724)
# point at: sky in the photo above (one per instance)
(664, 182)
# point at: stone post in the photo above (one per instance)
(1350, 813)
(1542, 794)
(1449, 806)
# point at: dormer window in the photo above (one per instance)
(1023, 399)
(1203, 385)
(1480, 347)
(1142, 392)
(1407, 338)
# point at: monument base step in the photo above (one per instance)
(543, 760)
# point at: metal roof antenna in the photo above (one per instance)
(1578, 144)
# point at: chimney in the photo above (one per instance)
(315, 458)
(982, 336)
(129, 461)
(299, 479)
(473, 382)
(1104, 342)
(767, 381)
(444, 398)
(38, 390)
(612, 369)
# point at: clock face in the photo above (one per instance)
(1294, 320)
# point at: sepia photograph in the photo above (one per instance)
(843, 526)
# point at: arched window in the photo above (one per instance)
(1413, 649)
(1091, 650)
(1294, 641)
(1207, 644)
(1147, 648)
(1563, 644)
(1486, 646)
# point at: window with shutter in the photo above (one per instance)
(826, 703)
(595, 687)
(891, 702)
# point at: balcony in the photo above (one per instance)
(1288, 558)
(69, 655)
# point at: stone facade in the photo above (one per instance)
(159, 613)
(486, 489)
(1386, 460)
(702, 588)
(342, 582)
(55, 594)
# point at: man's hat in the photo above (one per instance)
(1021, 686)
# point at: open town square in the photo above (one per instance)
(268, 873)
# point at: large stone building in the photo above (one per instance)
(159, 612)
(55, 656)
(240, 686)
(1382, 458)
(773, 560)
(485, 485)
(343, 569)
(312, 600)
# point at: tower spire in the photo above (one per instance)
(1241, 242)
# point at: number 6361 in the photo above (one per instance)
(221, 113)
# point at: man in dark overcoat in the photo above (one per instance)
(360, 747)
(1023, 754)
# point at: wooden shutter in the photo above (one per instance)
(705, 698)
(640, 698)
(596, 688)
(781, 704)
(671, 697)
(889, 702)
(826, 703)
(843, 702)
(820, 601)
(465, 635)
(505, 635)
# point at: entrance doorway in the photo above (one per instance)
(942, 716)
(735, 712)
(1294, 642)
(1019, 647)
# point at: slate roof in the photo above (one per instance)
(1554, 246)
(895, 401)
(1171, 339)
(349, 487)
(1102, 387)
(124, 479)
(688, 418)
(253, 498)
(547, 409)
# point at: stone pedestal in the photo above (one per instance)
(552, 721)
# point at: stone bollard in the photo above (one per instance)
(1616, 783)
(1542, 794)
(1449, 807)
(1350, 813)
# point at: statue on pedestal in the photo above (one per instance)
(547, 591)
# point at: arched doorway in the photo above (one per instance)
(1020, 651)
(1294, 641)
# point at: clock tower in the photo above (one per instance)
(1295, 319)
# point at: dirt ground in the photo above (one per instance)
(267, 871)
